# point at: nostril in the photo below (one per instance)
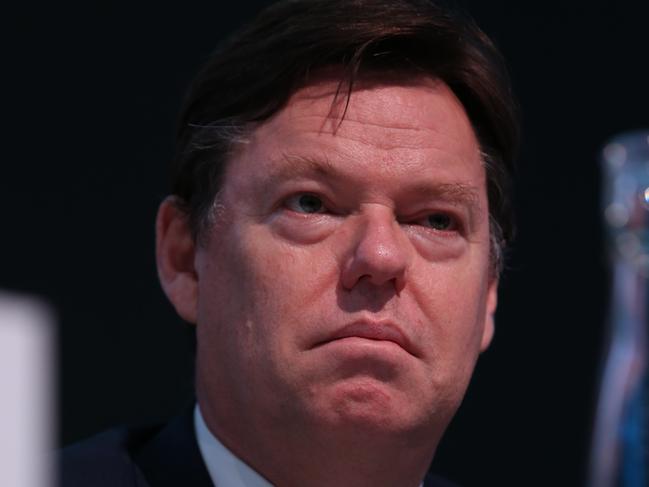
(366, 295)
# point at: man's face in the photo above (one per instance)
(345, 280)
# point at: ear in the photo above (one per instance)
(175, 250)
(490, 311)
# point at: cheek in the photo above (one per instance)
(269, 286)
(301, 267)
(454, 302)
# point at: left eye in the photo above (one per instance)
(439, 221)
(305, 203)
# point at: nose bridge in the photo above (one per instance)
(380, 251)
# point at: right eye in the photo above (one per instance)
(305, 203)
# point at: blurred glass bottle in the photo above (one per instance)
(620, 453)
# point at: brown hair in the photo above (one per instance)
(252, 75)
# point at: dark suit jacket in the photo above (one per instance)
(148, 457)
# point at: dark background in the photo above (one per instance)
(90, 102)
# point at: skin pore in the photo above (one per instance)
(344, 293)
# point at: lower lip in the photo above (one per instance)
(353, 356)
(354, 342)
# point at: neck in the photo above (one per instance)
(308, 454)
(345, 461)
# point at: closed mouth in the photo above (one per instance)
(372, 330)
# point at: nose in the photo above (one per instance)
(379, 254)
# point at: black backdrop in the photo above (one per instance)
(91, 93)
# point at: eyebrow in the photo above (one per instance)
(291, 166)
(455, 193)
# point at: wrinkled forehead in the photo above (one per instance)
(415, 112)
(416, 129)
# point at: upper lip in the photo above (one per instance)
(373, 330)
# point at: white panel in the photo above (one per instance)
(26, 392)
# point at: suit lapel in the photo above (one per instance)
(172, 457)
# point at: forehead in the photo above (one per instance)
(408, 104)
(415, 126)
(338, 101)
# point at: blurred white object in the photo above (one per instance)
(26, 392)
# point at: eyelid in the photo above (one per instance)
(294, 198)
(457, 224)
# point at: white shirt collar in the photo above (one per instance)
(224, 467)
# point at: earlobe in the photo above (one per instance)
(175, 251)
(490, 311)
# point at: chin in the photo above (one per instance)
(371, 406)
